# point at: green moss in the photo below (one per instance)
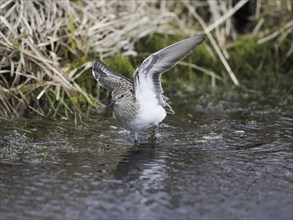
(247, 58)
(259, 62)
(77, 62)
(152, 43)
(120, 64)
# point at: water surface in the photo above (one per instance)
(224, 160)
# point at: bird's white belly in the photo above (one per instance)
(148, 116)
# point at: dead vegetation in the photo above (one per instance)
(46, 46)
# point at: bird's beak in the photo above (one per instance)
(111, 104)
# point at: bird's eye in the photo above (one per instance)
(121, 96)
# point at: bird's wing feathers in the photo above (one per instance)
(146, 79)
(108, 78)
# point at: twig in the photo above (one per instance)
(276, 33)
(213, 42)
(226, 16)
(208, 72)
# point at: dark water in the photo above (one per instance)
(214, 161)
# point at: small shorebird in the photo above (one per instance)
(140, 104)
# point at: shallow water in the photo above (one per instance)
(224, 161)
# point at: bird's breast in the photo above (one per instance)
(148, 115)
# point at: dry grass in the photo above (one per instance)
(39, 38)
(37, 35)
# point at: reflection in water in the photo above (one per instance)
(207, 164)
(136, 160)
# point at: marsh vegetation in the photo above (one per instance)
(47, 48)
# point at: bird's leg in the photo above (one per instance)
(153, 137)
(135, 136)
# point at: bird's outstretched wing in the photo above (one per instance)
(108, 78)
(146, 78)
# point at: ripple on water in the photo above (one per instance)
(215, 164)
